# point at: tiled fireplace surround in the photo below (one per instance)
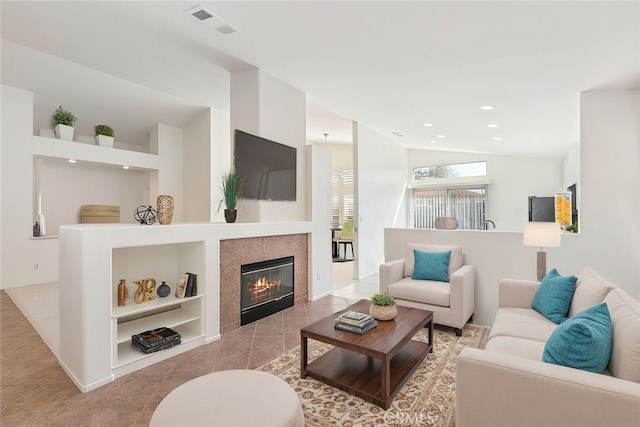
(235, 252)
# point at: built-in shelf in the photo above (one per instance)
(58, 148)
(44, 237)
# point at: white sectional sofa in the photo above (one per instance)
(508, 384)
(452, 302)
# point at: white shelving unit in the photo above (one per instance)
(95, 333)
(95, 337)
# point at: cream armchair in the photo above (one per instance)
(452, 303)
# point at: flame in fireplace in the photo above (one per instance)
(263, 285)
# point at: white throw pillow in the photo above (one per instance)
(625, 318)
(455, 261)
(590, 291)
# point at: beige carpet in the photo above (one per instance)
(426, 399)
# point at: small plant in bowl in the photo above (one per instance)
(104, 135)
(64, 121)
(103, 130)
(63, 117)
(383, 307)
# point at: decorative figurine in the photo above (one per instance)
(163, 290)
(145, 290)
(123, 293)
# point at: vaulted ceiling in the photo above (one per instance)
(392, 66)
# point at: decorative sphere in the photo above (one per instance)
(145, 214)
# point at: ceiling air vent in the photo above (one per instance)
(203, 14)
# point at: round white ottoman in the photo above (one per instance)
(231, 399)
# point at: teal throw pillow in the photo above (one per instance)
(431, 265)
(554, 295)
(583, 342)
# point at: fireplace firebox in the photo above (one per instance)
(266, 287)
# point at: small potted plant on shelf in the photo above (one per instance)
(230, 193)
(383, 307)
(104, 135)
(64, 121)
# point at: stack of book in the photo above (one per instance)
(155, 340)
(354, 321)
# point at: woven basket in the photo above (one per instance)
(383, 312)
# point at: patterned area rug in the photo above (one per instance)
(426, 399)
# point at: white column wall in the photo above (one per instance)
(267, 107)
(170, 177)
(380, 167)
(221, 159)
(318, 191)
(197, 169)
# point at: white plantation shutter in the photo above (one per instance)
(342, 202)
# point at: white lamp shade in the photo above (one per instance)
(542, 234)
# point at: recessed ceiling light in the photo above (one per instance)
(434, 142)
(125, 167)
(497, 138)
(487, 107)
(440, 136)
(72, 160)
(428, 125)
(493, 125)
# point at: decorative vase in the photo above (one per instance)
(230, 215)
(383, 312)
(163, 290)
(104, 140)
(64, 132)
(165, 209)
(123, 293)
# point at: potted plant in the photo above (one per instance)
(383, 307)
(104, 135)
(230, 193)
(64, 123)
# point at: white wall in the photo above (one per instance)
(221, 158)
(380, 181)
(197, 169)
(514, 179)
(65, 187)
(609, 238)
(265, 106)
(318, 190)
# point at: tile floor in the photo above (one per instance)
(35, 391)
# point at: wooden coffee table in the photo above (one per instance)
(375, 365)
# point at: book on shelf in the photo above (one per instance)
(355, 318)
(192, 285)
(181, 286)
(157, 348)
(356, 329)
(155, 338)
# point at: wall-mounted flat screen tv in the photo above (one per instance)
(266, 169)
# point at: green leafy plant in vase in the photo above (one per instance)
(104, 135)
(230, 193)
(383, 307)
(64, 121)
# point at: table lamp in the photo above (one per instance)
(542, 234)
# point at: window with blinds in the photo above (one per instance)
(465, 203)
(342, 208)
